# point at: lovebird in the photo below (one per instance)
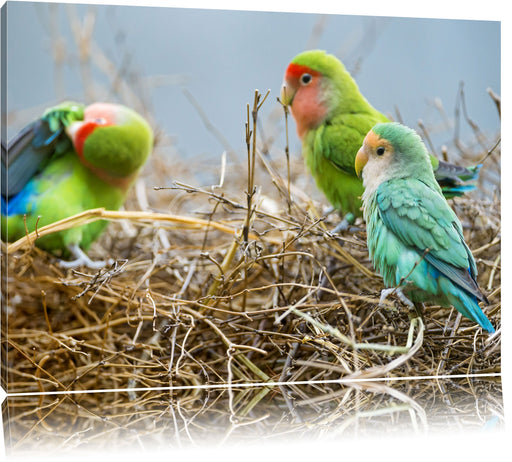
(332, 118)
(71, 159)
(415, 240)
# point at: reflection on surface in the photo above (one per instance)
(116, 421)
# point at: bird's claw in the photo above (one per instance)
(81, 259)
(385, 293)
(347, 224)
(82, 262)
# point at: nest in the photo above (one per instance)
(242, 283)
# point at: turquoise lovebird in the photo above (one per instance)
(332, 118)
(415, 239)
(72, 159)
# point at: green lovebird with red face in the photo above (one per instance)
(73, 158)
(415, 240)
(332, 119)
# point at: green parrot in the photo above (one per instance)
(332, 119)
(415, 239)
(72, 159)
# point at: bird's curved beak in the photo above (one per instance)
(73, 128)
(361, 160)
(287, 94)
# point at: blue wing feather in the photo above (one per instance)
(33, 147)
(422, 220)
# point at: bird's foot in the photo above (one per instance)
(341, 227)
(81, 259)
(415, 309)
(347, 224)
(385, 293)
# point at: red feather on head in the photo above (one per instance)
(306, 102)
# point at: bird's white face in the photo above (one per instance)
(373, 161)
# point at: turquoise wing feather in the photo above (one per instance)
(414, 234)
(423, 220)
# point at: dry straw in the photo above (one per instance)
(253, 289)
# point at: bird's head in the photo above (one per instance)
(317, 86)
(96, 115)
(111, 140)
(308, 89)
(392, 150)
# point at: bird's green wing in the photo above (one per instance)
(342, 137)
(421, 218)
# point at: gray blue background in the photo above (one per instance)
(221, 57)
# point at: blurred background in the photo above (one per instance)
(193, 71)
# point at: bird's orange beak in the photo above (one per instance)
(361, 160)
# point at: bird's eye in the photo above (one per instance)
(100, 121)
(380, 150)
(306, 78)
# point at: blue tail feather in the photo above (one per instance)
(468, 306)
(458, 190)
